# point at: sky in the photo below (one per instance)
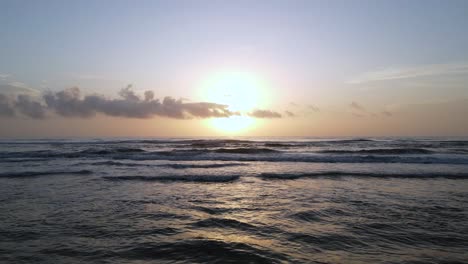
(233, 68)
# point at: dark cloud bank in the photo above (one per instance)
(71, 103)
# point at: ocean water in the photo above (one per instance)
(245, 200)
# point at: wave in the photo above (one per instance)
(169, 165)
(295, 157)
(307, 216)
(88, 141)
(28, 174)
(245, 150)
(111, 151)
(292, 176)
(232, 150)
(176, 178)
(284, 145)
(201, 250)
(112, 163)
(329, 241)
(459, 150)
(213, 210)
(28, 154)
(23, 160)
(224, 223)
(201, 166)
(198, 151)
(180, 152)
(220, 141)
(383, 151)
(288, 176)
(248, 155)
(452, 143)
(215, 142)
(355, 140)
(74, 154)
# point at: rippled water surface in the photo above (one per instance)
(234, 201)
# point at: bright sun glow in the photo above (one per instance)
(233, 124)
(241, 91)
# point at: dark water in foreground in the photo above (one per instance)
(234, 201)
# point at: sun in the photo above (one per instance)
(233, 124)
(241, 91)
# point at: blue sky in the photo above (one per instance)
(328, 53)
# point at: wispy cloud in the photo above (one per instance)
(357, 106)
(17, 88)
(264, 114)
(358, 115)
(360, 111)
(386, 113)
(293, 104)
(313, 108)
(411, 72)
(18, 84)
(4, 76)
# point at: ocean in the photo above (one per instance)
(234, 200)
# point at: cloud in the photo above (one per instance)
(17, 88)
(7, 107)
(4, 76)
(358, 115)
(68, 103)
(128, 94)
(264, 114)
(71, 103)
(19, 84)
(313, 108)
(356, 106)
(293, 104)
(29, 107)
(386, 113)
(411, 72)
(149, 95)
(289, 113)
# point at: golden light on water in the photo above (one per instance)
(242, 92)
